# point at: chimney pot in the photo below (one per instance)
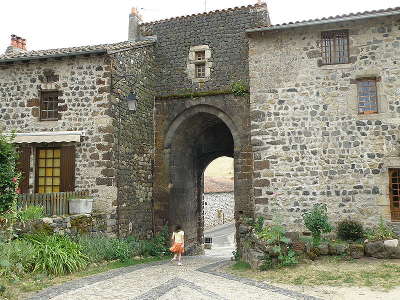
(23, 44)
(134, 11)
(13, 40)
(18, 44)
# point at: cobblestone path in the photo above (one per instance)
(198, 278)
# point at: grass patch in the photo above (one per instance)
(18, 289)
(332, 271)
(241, 266)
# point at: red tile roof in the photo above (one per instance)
(218, 185)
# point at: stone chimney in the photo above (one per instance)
(17, 45)
(134, 20)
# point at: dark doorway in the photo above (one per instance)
(196, 142)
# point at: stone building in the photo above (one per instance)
(325, 117)
(320, 123)
(74, 128)
(218, 201)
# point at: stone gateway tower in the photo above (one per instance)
(197, 117)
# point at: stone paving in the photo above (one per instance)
(198, 278)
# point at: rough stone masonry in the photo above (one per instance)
(310, 144)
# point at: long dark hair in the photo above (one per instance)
(178, 227)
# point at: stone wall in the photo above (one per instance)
(224, 33)
(218, 209)
(133, 139)
(104, 224)
(309, 143)
(83, 84)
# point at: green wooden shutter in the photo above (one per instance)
(23, 166)
(68, 169)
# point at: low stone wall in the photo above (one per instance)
(72, 225)
(253, 250)
(218, 209)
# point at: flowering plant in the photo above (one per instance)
(9, 177)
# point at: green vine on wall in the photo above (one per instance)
(238, 89)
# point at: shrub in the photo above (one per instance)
(282, 255)
(350, 230)
(16, 258)
(316, 220)
(8, 174)
(380, 232)
(239, 88)
(56, 254)
(157, 246)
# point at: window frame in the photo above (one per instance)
(44, 95)
(358, 86)
(394, 211)
(202, 71)
(37, 157)
(333, 35)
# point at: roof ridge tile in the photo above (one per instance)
(263, 4)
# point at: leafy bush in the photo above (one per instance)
(16, 258)
(282, 255)
(236, 255)
(316, 220)
(8, 174)
(239, 88)
(56, 254)
(157, 246)
(350, 230)
(380, 232)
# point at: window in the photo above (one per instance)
(367, 96)
(200, 55)
(48, 170)
(49, 105)
(394, 191)
(199, 64)
(335, 47)
(200, 70)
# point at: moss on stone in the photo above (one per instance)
(82, 224)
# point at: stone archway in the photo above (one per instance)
(194, 138)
